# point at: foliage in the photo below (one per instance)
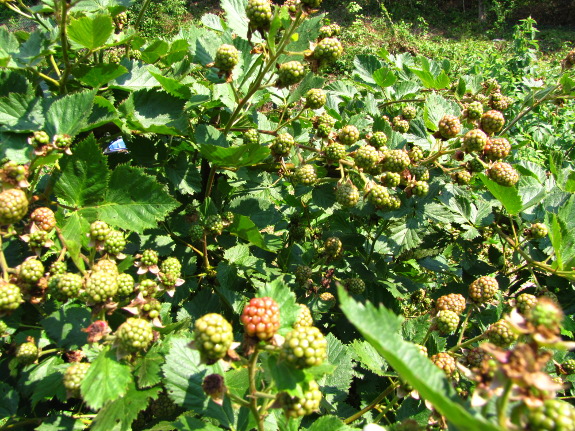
(441, 191)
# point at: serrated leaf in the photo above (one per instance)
(9, 400)
(285, 377)
(73, 233)
(245, 229)
(52, 385)
(21, 113)
(136, 208)
(280, 292)
(384, 77)
(69, 114)
(97, 75)
(184, 175)
(329, 423)
(336, 385)
(30, 380)
(147, 368)
(61, 423)
(235, 157)
(65, 325)
(137, 78)
(173, 86)
(508, 196)
(310, 81)
(236, 16)
(378, 328)
(106, 380)
(187, 423)
(184, 373)
(91, 32)
(84, 175)
(368, 357)
(436, 107)
(364, 68)
(119, 414)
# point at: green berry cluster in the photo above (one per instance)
(74, 376)
(347, 195)
(227, 56)
(13, 206)
(503, 174)
(213, 336)
(304, 347)
(134, 334)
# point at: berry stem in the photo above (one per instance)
(464, 325)
(64, 43)
(467, 343)
(371, 405)
(503, 402)
(3, 263)
(238, 400)
(386, 409)
(141, 13)
(252, 370)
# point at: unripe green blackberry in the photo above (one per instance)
(31, 271)
(497, 148)
(329, 31)
(474, 141)
(149, 257)
(148, 288)
(41, 138)
(348, 135)
(461, 177)
(366, 157)
(400, 124)
(27, 353)
(355, 285)
(305, 175)
(304, 347)
(295, 407)
(333, 247)
(446, 321)
(151, 308)
(492, 122)
(282, 144)
(13, 173)
(394, 203)
(58, 268)
(135, 334)
(569, 366)
(62, 141)
(420, 173)
(334, 152)
(115, 242)
(538, 230)
(214, 225)
(304, 317)
(227, 56)
(378, 140)
(43, 218)
(419, 188)
(74, 376)
(503, 174)
(99, 230)
(546, 313)
(106, 265)
(475, 357)
(303, 274)
(475, 165)
(395, 160)
(261, 318)
(553, 415)
(120, 20)
(114, 56)
(171, 266)
(483, 289)
(415, 154)
(68, 285)
(312, 3)
(409, 112)
(422, 349)
(38, 239)
(251, 136)
(328, 50)
(391, 179)
(328, 298)
(500, 333)
(379, 196)
(213, 336)
(525, 302)
(347, 195)
(196, 232)
(13, 206)
(315, 98)
(474, 110)
(449, 126)
(499, 102)
(101, 286)
(125, 284)
(453, 302)
(259, 12)
(290, 73)
(446, 362)
(10, 296)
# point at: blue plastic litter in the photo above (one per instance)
(117, 146)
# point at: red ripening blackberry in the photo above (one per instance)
(261, 318)
(43, 218)
(503, 174)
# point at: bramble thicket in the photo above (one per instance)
(279, 247)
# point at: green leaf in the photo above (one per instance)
(245, 229)
(310, 81)
(384, 77)
(20, 113)
(65, 325)
(236, 16)
(106, 380)
(285, 377)
(119, 414)
(368, 357)
(9, 400)
(436, 107)
(97, 75)
(379, 328)
(184, 175)
(155, 50)
(91, 32)
(135, 208)
(364, 68)
(52, 385)
(69, 114)
(84, 175)
(563, 241)
(61, 423)
(235, 157)
(138, 78)
(187, 423)
(335, 386)
(184, 373)
(153, 110)
(280, 292)
(74, 235)
(173, 86)
(508, 196)
(329, 423)
(147, 368)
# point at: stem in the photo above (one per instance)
(386, 409)
(21, 424)
(210, 183)
(238, 400)
(371, 405)
(526, 111)
(64, 42)
(504, 401)
(252, 369)
(55, 66)
(141, 13)
(3, 263)
(466, 343)
(206, 260)
(464, 325)
(428, 333)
